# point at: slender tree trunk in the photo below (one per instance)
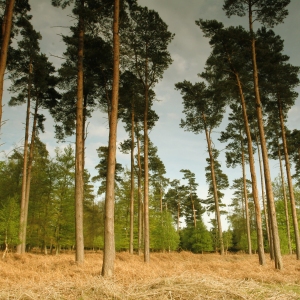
(30, 160)
(178, 215)
(246, 200)
(194, 212)
(161, 198)
(140, 203)
(259, 232)
(21, 248)
(266, 210)
(215, 190)
(287, 221)
(6, 30)
(79, 255)
(132, 181)
(289, 179)
(109, 239)
(146, 179)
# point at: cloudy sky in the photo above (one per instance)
(189, 50)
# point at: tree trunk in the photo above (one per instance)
(246, 200)
(31, 150)
(194, 212)
(259, 232)
(6, 30)
(215, 190)
(178, 215)
(266, 210)
(79, 254)
(270, 197)
(109, 238)
(21, 248)
(132, 181)
(287, 221)
(140, 203)
(146, 180)
(290, 183)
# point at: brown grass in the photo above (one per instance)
(168, 276)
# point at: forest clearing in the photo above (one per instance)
(168, 276)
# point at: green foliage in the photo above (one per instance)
(163, 236)
(197, 240)
(269, 13)
(102, 169)
(221, 182)
(9, 221)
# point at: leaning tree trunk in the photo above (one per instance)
(287, 221)
(289, 179)
(215, 191)
(246, 200)
(6, 30)
(79, 254)
(109, 241)
(270, 197)
(21, 248)
(132, 181)
(259, 232)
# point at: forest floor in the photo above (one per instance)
(168, 276)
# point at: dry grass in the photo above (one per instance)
(168, 276)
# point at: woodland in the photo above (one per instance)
(116, 52)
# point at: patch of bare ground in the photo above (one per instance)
(182, 275)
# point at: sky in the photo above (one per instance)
(189, 50)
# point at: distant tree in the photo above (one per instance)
(192, 187)
(64, 208)
(197, 240)
(235, 133)
(204, 108)
(174, 199)
(9, 223)
(239, 217)
(149, 41)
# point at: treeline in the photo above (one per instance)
(115, 54)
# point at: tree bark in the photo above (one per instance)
(140, 203)
(146, 178)
(109, 239)
(259, 232)
(132, 181)
(30, 160)
(286, 211)
(289, 179)
(246, 201)
(215, 190)
(21, 248)
(6, 30)
(79, 169)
